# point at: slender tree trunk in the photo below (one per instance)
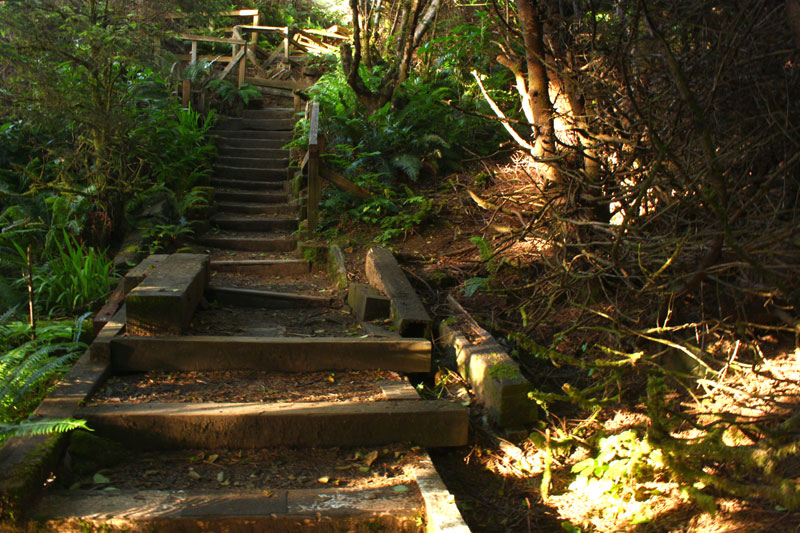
(538, 85)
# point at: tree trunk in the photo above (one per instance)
(538, 85)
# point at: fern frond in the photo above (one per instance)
(43, 426)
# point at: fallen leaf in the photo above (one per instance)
(400, 488)
(100, 478)
(268, 493)
(75, 486)
(323, 479)
(291, 477)
(363, 468)
(193, 474)
(370, 457)
(226, 483)
(221, 477)
(343, 467)
(213, 457)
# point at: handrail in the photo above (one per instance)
(314, 186)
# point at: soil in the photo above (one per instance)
(245, 386)
(265, 469)
(316, 284)
(310, 322)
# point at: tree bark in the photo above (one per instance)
(538, 85)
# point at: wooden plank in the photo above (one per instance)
(328, 509)
(156, 425)
(186, 92)
(344, 183)
(316, 41)
(280, 354)
(325, 33)
(209, 39)
(262, 29)
(106, 313)
(408, 314)
(188, 57)
(264, 299)
(240, 13)
(238, 57)
(279, 84)
(165, 301)
(314, 186)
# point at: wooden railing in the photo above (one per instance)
(245, 50)
(313, 168)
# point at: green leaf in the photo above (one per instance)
(99, 479)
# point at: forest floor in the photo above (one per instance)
(497, 483)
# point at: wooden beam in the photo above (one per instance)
(208, 39)
(232, 64)
(313, 171)
(188, 57)
(344, 183)
(241, 13)
(279, 84)
(251, 56)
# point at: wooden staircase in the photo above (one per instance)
(252, 243)
(256, 213)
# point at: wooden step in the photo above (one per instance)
(263, 124)
(276, 143)
(263, 267)
(282, 354)
(239, 297)
(253, 185)
(211, 426)
(242, 195)
(223, 134)
(254, 223)
(253, 162)
(277, 243)
(234, 150)
(272, 112)
(237, 510)
(254, 174)
(249, 208)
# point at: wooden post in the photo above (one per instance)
(297, 102)
(242, 69)
(186, 95)
(194, 52)
(254, 34)
(286, 43)
(313, 172)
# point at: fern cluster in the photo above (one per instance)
(28, 368)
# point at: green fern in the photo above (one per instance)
(42, 426)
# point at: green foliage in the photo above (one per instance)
(161, 238)
(76, 279)
(29, 366)
(229, 99)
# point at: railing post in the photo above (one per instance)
(313, 172)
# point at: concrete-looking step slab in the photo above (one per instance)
(367, 303)
(236, 511)
(137, 274)
(408, 314)
(281, 354)
(164, 302)
(429, 423)
(495, 377)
